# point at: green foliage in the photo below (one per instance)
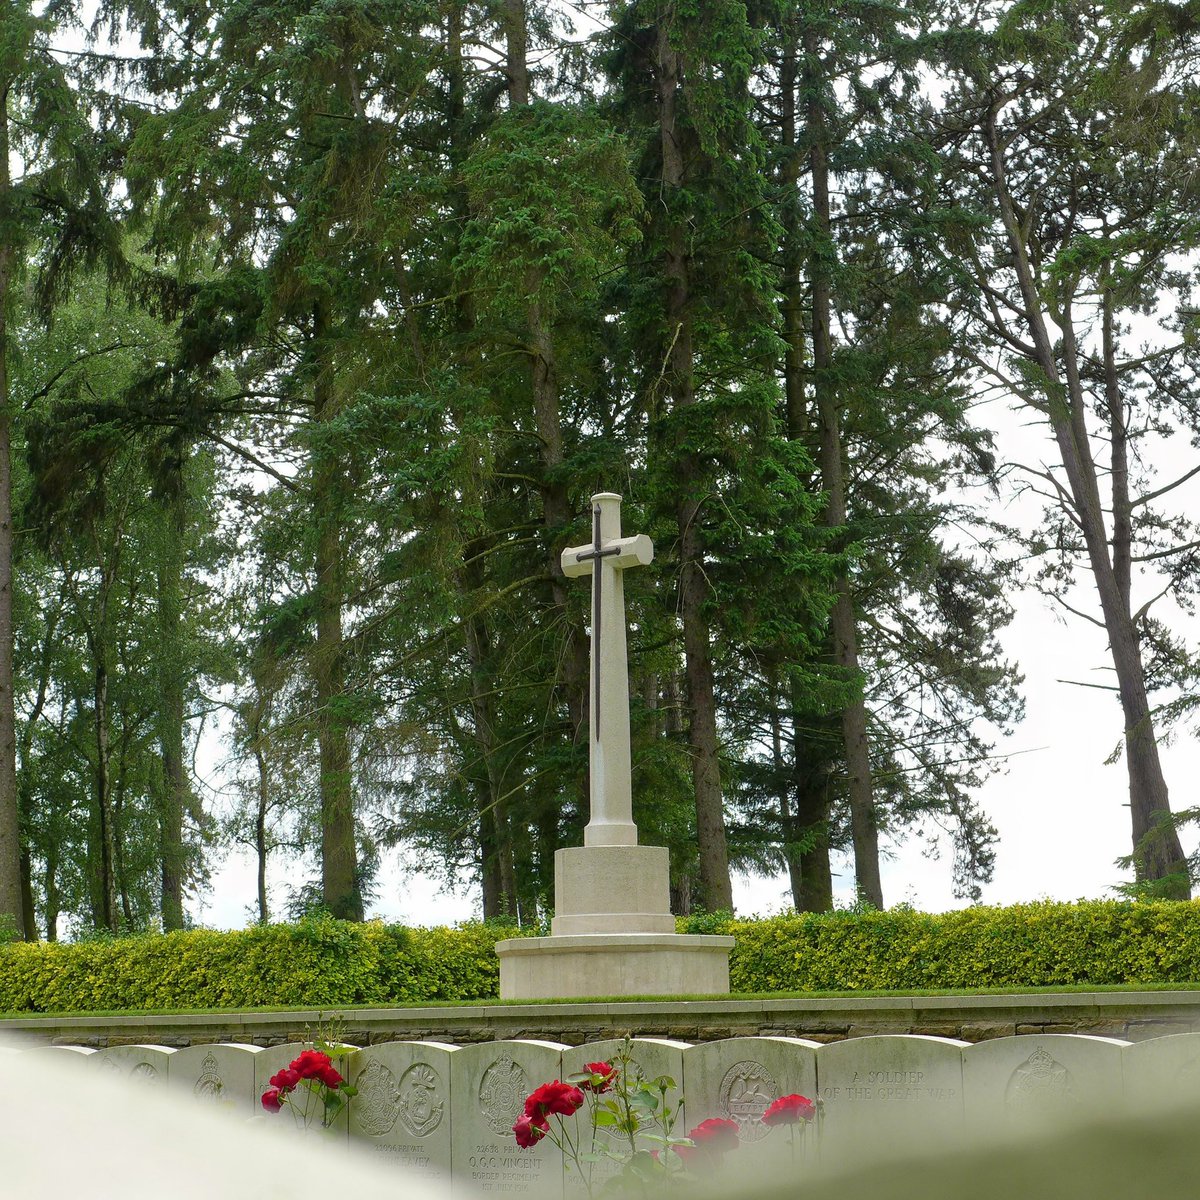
(322, 962)
(319, 962)
(1025, 945)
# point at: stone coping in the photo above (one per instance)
(1122, 1014)
(605, 942)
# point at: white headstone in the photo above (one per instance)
(658, 1058)
(738, 1078)
(488, 1086)
(890, 1091)
(1162, 1071)
(143, 1064)
(1022, 1081)
(402, 1111)
(221, 1074)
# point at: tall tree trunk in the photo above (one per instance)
(495, 851)
(53, 894)
(518, 65)
(260, 821)
(791, 306)
(716, 891)
(787, 823)
(120, 874)
(547, 415)
(1157, 852)
(12, 909)
(103, 907)
(863, 823)
(808, 814)
(811, 805)
(340, 886)
(175, 793)
(25, 795)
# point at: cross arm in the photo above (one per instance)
(635, 551)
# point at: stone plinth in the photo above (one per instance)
(612, 889)
(612, 964)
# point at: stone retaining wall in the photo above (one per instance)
(1132, 1016)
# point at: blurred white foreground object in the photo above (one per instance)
(66, 1132)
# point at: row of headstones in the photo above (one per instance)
(448, 1112)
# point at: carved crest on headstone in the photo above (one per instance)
(145, 1072)
(1039, 1082)
(209, 1086)
(502, 1092)
(746, 1091)
(421, 1105)
(377, 1104)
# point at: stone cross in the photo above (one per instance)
(606, 558)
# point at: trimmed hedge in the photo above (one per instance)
(1026, 945)
(321, 962)
(314, 963)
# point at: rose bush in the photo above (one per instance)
(310, 1074)
(630, 1123)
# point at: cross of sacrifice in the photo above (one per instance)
(606, 558)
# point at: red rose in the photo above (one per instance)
(285, 1079)
(716, 1135)
(560, 1098)
(529, 1132)
(603, 1075)
(788, 1110)
(330, 1078)
(272, 1099)
(309, 1064)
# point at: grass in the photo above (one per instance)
(470, 1004)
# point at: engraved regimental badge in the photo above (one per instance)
(377, 1104)
(1040, 1082)
(747, 1091)
(421, 1105)
(502, 1094)
(209, 1086)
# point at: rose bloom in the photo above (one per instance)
(330, 1078)
(529, 1131)
(560, 1098)
(310, 1063)
(716, 1135)
(271, 1099)
(788, 1110)
(285, 1079)
(602, 1076)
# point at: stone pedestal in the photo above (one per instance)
(613, 934)
(612, 889)
(614, 964)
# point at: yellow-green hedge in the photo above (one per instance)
(1026, 945)
(322, 962)
(316, 963)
